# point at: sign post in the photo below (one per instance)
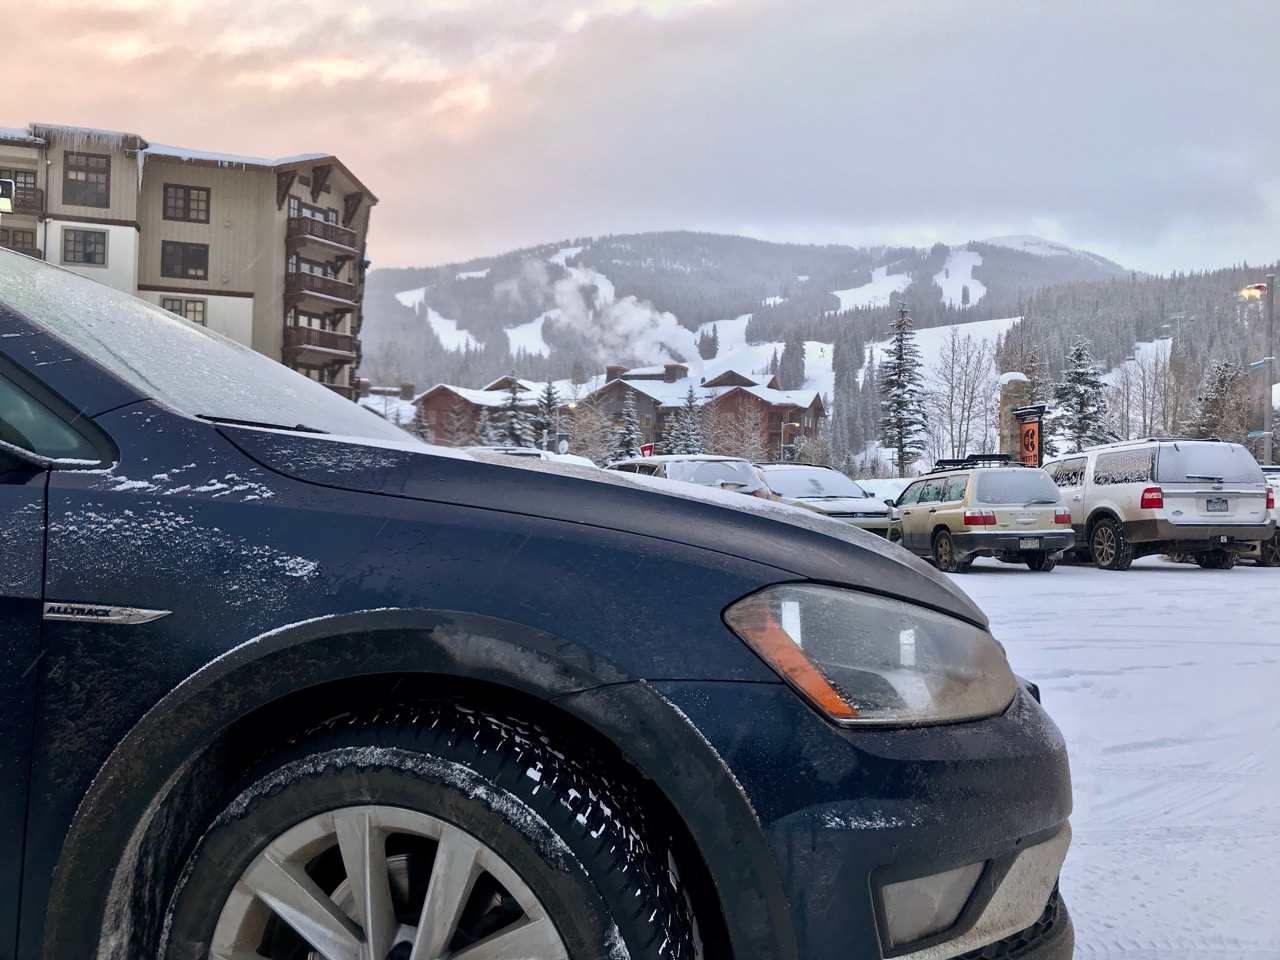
(1030, 424)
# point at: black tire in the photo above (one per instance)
(945, 557)
(1110, 548)
(1040, 561)
(574, 834)
(1269, 552)
(1216, 560)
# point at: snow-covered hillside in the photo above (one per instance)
(877, 293)
(958, 274)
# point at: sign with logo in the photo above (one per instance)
(1030, 423)
(562, 443)
(646, 450)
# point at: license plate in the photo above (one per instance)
(1029, 543)
(1216, 504)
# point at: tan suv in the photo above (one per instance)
(985, 507)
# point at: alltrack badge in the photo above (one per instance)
(98, 613)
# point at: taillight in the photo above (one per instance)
(1152, 499)
(1062, 515)
(1271, 499)
(979, 518)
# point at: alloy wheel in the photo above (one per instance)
(1104, 545)
(382, 883)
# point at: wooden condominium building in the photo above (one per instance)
(270, 253)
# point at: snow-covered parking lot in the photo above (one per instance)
(1165, 681)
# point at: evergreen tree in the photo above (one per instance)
(545, 421)
(627, 439)
(715, 342)
(489, 431)
(1079, 417)
(964, 295)
(791, 365)
(773, 363)
(579, 372)
(1222, 409)
(686, 429)
(902, 393)
(516, 430)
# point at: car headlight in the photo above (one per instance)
(865, 660)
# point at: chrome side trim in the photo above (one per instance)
(100, 613)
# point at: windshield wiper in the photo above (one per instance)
(296, 428)
(1203, 476)
(1031, 503)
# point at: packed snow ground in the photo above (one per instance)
(1165, 681)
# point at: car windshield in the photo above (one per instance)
(175, 361)
(737, 474)
(1214, 462)
(1012, 485)
(799, 483)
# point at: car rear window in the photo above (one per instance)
(1019, 486)
(1216, 462)
(1125, 466)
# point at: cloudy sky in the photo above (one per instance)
(1146, 130)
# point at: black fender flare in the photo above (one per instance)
(119, 830)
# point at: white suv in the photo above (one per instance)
(1205, 498)
(1266, 553)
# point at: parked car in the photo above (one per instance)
(726, 473)
(984, 507)
(282, 682)
(829, 492)
(1266, 553)
(1203, 498)
(533, 453)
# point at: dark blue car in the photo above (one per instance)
(281, 682)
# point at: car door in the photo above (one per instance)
(910, 511)
(1069, 476)
(22, 536)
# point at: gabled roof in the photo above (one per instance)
(504, 383)
(479, 398)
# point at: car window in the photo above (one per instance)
(814, 482)
(932, 492)
(27, 423)
(910, 495)
(1015, 485)
(626, 468)
(956, 488)
(1216, 462)
(1068, 473)
(1125, 466)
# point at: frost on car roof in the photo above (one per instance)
(179, 363)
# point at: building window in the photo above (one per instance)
(193, 310)
(22, 179)
(18, 239)
(300, 208)
(86, 179)
(188, 261)
(313, 267)
(88, 247)
(186, 203)
(317, 321)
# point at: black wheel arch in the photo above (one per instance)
(1102, 513)
(160, 784)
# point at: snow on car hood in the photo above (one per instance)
(844, 504)
(794, 540)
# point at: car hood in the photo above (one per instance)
(840, 504)
(791, 539)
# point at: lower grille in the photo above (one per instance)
(1023, 942)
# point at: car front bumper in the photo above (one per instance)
(1011, 542)
(847, 813)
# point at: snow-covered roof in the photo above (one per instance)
(225, 159)
(20, 133)
(668, 394)
(481, 398)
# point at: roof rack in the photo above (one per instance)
(974, 460)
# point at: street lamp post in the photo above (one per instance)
(1269, 368)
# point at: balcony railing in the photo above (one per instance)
(29, 251)
(342, 390)
(28, 202)
(301, 338)
(299, 285)
(309, 228)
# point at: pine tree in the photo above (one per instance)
(545, 421)
(715, 342)
(686, 430)
(791, 364)
(489, 430)
(773, 363)
(516, 431)
(964, 295)
(1079, 417)
(902, 393)
(627, 440)
(1222, 409)
(579, 373)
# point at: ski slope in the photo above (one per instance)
(878, 293)
(957, 274)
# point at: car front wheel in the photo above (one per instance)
(456, 834)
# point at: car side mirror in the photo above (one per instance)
(890, 502)
(14, 457)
